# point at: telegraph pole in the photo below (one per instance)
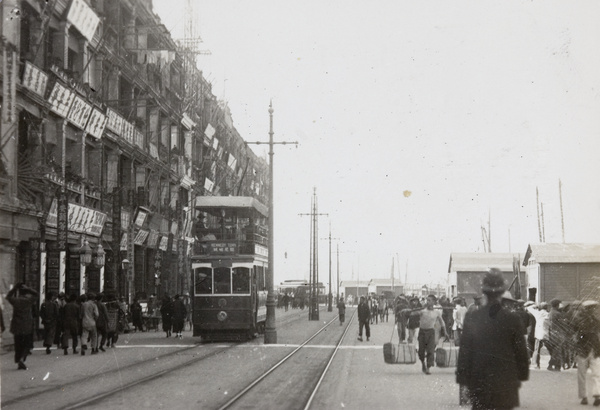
(330, 296)
(313, 312)
(270, 329)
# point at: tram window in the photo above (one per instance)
(241, 280)
(222, 280)
(203, 281)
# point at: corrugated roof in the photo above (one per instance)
(563, 253)
(480, 262)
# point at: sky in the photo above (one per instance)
(417, 122)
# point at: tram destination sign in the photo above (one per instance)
(222, 248)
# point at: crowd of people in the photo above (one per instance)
(89, 321)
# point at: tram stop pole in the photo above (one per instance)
(270, 328)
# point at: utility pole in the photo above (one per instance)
(270, 329)
(562, 218)
(330, 295)
(313, 312)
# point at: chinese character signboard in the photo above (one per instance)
(80, 112)
(164, 242)
(84, 18)
(96, 124)
(223, 248)
(34, 79)
(60, 99)
(114, 122)
(140, 237)
(62, 221)
(9, 70)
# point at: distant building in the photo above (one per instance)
(566, 271)
(466, 271)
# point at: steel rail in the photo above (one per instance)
(285, 359)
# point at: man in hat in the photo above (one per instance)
(492, 361)
(587, 348)
(364, 315)
(476, 304)
(22, 298)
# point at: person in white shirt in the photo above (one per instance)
(458, 316)
(542, 330)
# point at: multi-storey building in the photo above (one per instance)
(109, 132)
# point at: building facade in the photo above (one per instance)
(109, 131)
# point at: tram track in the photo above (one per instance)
(320, 373)
(115, 381)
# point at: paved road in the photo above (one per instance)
(358, 378)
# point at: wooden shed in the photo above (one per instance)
(566, 271)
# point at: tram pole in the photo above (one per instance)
(270, 329)
(330, 295)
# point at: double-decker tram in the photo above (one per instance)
(229, 265)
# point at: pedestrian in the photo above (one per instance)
(286, 301)
(22, 298)
(540, 313)
(476, 304)
(530, 329)
(70, 318)
(89, 314)
(101, 322)
(115, 316)
(458, 317)
(428, 318)
(401, 316)
(587, 347)
(413, 322)
(364, 315)
(60, 303)
(166, 311)
(49, 316)
(179, 314)
(341, 306)
(136, 315)
(556, 335)
(492, 360)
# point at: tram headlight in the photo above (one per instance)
(222, 316)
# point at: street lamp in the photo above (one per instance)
(100, 254)
(85, 253)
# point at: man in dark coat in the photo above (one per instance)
(179, 314)
(22, 298)
(587, 347)
(49, 316)
(364, 315)
(493, 360)
(69, 317)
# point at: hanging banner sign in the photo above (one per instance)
(140, 217)
(164, 242)
(152, 238)
(140, 237)
(35, 79)
(139, 138)
(9, 90)
(83, 17)
(114, 122)
(96, 124)
(60, 99)
(123, 246)
(62, 218)
(80, 112)
(208, 184)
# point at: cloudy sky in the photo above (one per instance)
(416, 121)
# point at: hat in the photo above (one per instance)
(529, 303)
(555, 303)
(477, 297)
(508, 296)
(587, 303)
(493, 281)
(61, 295)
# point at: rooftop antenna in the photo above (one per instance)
(191, 38)
(543, 228)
